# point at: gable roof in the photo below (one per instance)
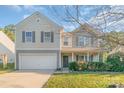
(7, 42)
(66, 33)
(41, 16)
(89, 29)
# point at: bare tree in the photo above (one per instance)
(104, 21)
(110, 17)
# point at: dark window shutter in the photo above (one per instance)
(76, 57)
(92, 41)
(77, 41)
(52, 37)
(33, 36)
(23, 36)
(42, 36)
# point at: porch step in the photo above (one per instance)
(64, 70)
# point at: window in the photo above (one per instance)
(91, 58)
(66, 39)
(80, 57)
(47, 36)
(28, 37)
(81, 41)
(76, 57)
(90, 41)
(86, 41)
(86, 58)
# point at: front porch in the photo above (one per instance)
(66, 58)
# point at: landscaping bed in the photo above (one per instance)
(114, 63)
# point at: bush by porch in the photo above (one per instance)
(115, 62)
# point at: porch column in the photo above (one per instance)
(72, 56)
(85, 58)
(88, 58)
(58, 59)
(98, 56)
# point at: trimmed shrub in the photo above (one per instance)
(78, 66)
(88, 66)
(116, 68)
(113, 64)
(116, 62)
(73, 66)
(82, 65)
(96, 66)
(113, 59)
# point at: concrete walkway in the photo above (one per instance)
(64, 70)
(25, 79)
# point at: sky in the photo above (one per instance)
(14, 14)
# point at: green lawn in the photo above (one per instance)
(10, 68)
(84, 80)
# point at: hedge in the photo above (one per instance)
(95, 66)
(115, 63)
(87, 66)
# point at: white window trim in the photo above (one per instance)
(85, 41)
(66, 40)
(26, 41)
(49, 38)
(69, 41)
(79, 41)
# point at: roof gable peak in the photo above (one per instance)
(41, 16)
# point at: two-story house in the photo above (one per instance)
(80, 45)
(43, 44)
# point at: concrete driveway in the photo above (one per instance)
(25, 79)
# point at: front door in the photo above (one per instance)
(65, 61)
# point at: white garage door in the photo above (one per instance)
(38, 61)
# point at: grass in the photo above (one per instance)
(9, 68)
(84, 80)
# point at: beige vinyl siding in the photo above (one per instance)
(92, 41)
(69, 40)
(76, 35)
(31, 24)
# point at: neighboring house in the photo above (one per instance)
(42, 44)
(7, 47)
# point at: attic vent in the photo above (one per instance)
(38, 20)
(37, 14)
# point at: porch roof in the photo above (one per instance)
(68, 50)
